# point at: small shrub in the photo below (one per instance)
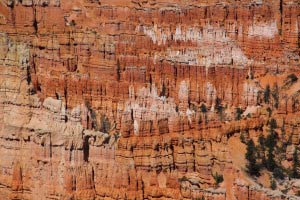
(251, 156)
(156, 148)
(218, 178)
(72, 23)
(271, 143)
(262, 155)
(203, 108)
(218, 105)
(267, 94)
(292, 78)
(275, 95)
(242, 138)
(269, 110)
(177, 108)
(295, 173)
(273, 124)
(278, 173)
(239, 113)
(273, 184)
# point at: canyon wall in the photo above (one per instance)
(103, 99)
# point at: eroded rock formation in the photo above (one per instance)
(103, 99)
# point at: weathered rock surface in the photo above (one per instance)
(101, 99)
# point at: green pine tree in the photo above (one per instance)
(203, 108)
(267, 93)
(262, 141)
(273, 184)
(239, 112)
(270, 144)
(272, 124)
(219, 108)
(295, 166)
(204, 111)
(251, 156)
(270, 163)
(275, 95)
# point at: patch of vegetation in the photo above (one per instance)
(156, 148)
(239, 113)
(218, 178)
(267, 93)
(275, 95)
(273, 184)
(251, 156)
(290, 79)
(269, 110)
(177, 108)
(278, 173)
(262, 149)
(263, 155)
(295, 173)
(28, 75)
(219, 107)
(242, 138)
(72, 23)
(270, 143)
(203, 108)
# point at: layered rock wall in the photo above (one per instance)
(101, 99)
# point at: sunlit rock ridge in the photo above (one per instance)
(149, 99)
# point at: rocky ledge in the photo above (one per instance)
(149, 99)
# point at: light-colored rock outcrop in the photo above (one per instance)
(102, 99)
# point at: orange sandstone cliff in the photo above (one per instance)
(137, 99)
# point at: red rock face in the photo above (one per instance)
(102, 99)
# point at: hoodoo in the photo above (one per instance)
(149, 99)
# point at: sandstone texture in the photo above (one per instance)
(101, 99)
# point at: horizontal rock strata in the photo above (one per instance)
(101, 99)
